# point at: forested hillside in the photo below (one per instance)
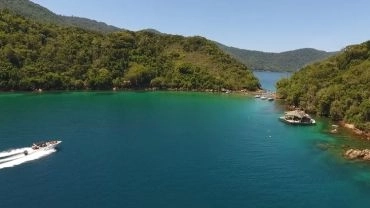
(35, 55)
(256, 60)
(36, 12)
(285, 61)
(338, 87)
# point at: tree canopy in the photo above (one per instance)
(38, 55)
(337, 87)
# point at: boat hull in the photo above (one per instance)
(46, 145)
(24, 152)
(298, 123)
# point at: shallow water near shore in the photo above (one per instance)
(171, 149)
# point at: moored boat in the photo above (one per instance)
(297, 117)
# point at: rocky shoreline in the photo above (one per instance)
(358, 154)
(356, 131)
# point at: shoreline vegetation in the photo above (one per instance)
(43, 56)
(221, 91)
(336, 88)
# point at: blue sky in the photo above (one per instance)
(264, 25)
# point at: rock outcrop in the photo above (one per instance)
(353, 154)
(356, 131)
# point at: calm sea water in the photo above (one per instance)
(164, 149)
(269, 79)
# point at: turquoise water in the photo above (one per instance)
(163, 149)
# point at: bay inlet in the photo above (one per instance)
(171, 149)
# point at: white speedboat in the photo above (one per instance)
(43, 146)
(24, 152)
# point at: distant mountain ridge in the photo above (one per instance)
(284, 61)
(34, 11)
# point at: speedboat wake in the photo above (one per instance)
(18, 156)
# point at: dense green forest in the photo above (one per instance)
(36, 12)
(338, 87)
(35, 55)
(256, 60)
(285, 61)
